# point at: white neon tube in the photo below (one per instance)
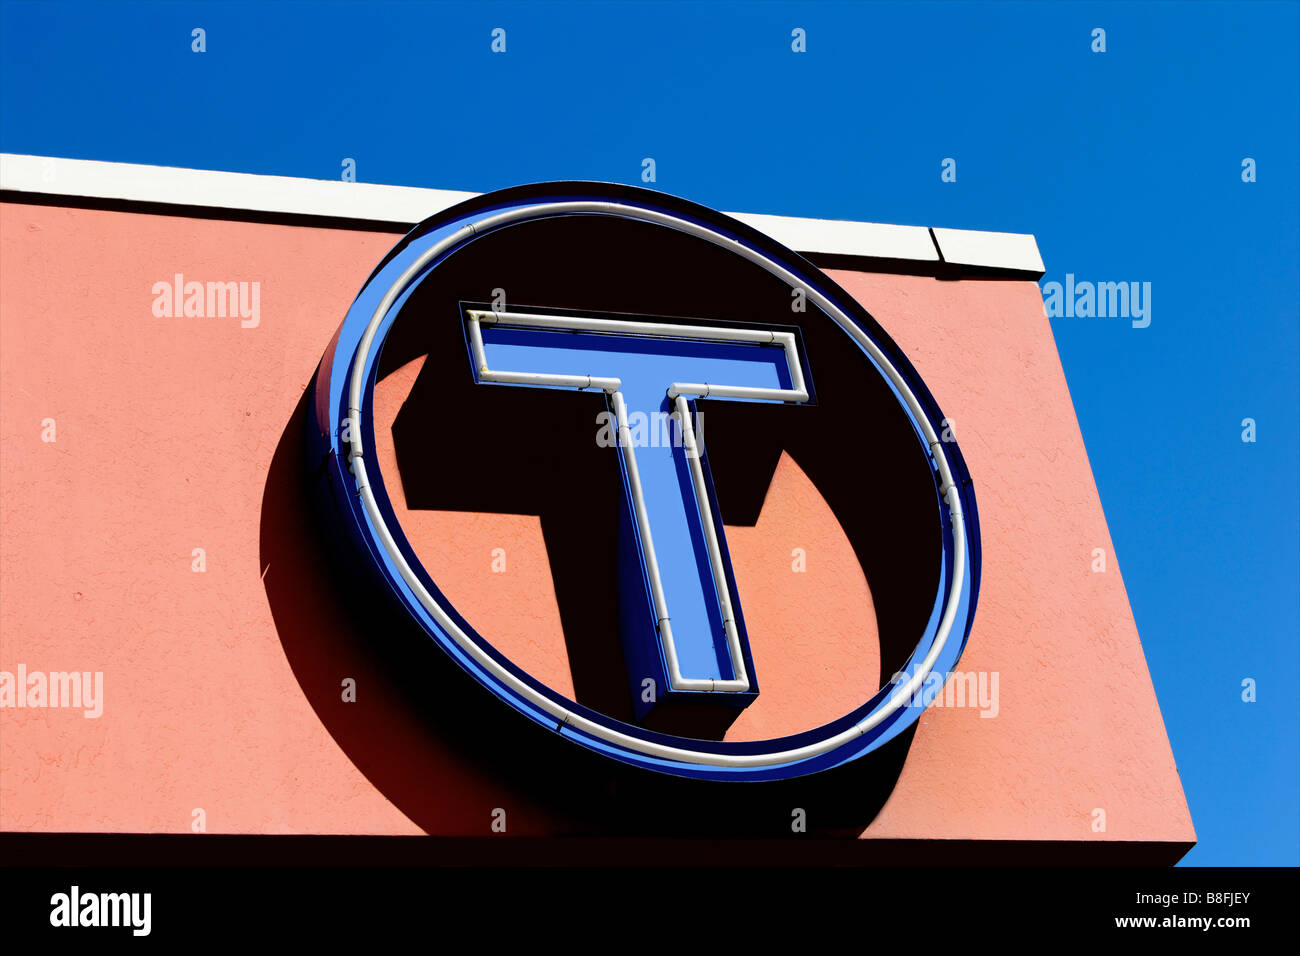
(562, 715)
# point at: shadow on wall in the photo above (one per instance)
(448, 754)
(441, 748)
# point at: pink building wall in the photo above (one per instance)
(165, 430)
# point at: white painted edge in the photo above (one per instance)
(967, 247)
(408, 205)
(844, 238)
(221, 190)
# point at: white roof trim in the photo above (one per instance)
(843, 238)
(966, 247)
(407, 205)
(200, 187)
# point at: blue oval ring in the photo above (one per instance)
(370, 525)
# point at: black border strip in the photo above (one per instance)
(185, 849)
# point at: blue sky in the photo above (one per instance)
(1126, 165)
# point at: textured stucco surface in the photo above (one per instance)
(1078, 728)
(165, 431)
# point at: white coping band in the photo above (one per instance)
(408, 205)
(562, 716)
(677, 391)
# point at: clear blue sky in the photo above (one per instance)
(1126, 166)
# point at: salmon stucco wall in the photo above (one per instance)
(129, 440)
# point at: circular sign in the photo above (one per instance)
(343, 417)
